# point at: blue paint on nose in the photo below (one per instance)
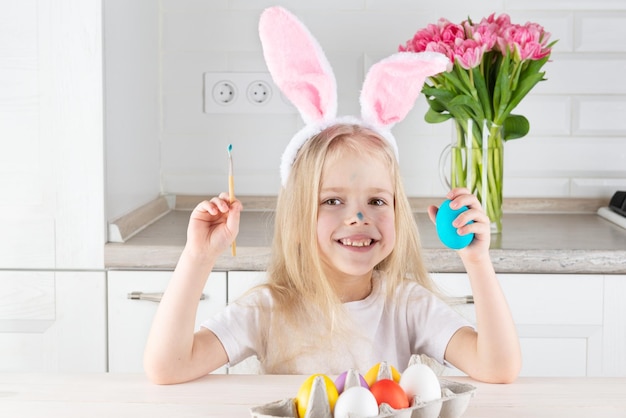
(359, 215)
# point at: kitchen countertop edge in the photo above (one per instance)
(140, 255)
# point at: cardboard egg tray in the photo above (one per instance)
(455, 398)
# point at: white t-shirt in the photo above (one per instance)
(417, 322)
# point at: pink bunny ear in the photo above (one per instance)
(298, 65)
(393, 84)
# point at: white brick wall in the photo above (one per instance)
(577, 143)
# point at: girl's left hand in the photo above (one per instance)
(481, 227)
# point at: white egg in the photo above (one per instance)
(356, 401)
(420, 380)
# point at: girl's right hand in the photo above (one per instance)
(213, 226)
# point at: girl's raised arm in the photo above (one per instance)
(174, 353)
(491, 353)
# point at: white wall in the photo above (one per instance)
(577, 143)
(132, 104)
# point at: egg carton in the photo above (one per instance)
(455, 398)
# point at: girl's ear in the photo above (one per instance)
(298, 65)
(392, 85)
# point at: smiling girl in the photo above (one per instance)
(347, 287)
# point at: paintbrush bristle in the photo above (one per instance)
(230, 160)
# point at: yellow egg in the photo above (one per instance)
(304, 393)
(372, 374)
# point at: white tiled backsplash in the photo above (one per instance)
(576, 146)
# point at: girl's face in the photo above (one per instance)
(355, 224)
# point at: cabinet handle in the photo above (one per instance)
(153, 297)
(462, 300)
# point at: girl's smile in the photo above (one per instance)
(356, 242)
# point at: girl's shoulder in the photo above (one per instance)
(260, 295)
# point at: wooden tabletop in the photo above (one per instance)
(132, 395)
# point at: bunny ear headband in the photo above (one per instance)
(300, 69)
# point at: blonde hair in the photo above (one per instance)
(302, 295)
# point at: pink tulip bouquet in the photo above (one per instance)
(495, 64)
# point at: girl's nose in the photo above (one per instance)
(357, 218)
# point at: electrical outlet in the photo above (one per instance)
(259, 92)
(243, 93)
(224, 93)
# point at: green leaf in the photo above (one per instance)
(534, 66)
(442, 95)
(490, 68)
(524, 87)
(483, 94)
(437, 105)
(502, 93)
(454, 81)
(515, 126)
(463, 76)
(529, 77)
(433, 116)
(438, 102)
(466, 107)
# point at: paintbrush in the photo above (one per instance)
(231, 189)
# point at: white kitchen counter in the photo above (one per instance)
(566, 237)
(132, 395)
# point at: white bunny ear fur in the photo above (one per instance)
(301, 70)
(393, 84)
(298, 65)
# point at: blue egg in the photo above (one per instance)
(447, 233)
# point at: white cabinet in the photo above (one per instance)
(52, 279)
(52, 321)
(131, 308)
(614, 335)
(560, 319)
(51, 136)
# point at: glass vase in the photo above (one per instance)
(475, 160)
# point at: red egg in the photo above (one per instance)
(389, 392)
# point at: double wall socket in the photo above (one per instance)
(243, 93)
